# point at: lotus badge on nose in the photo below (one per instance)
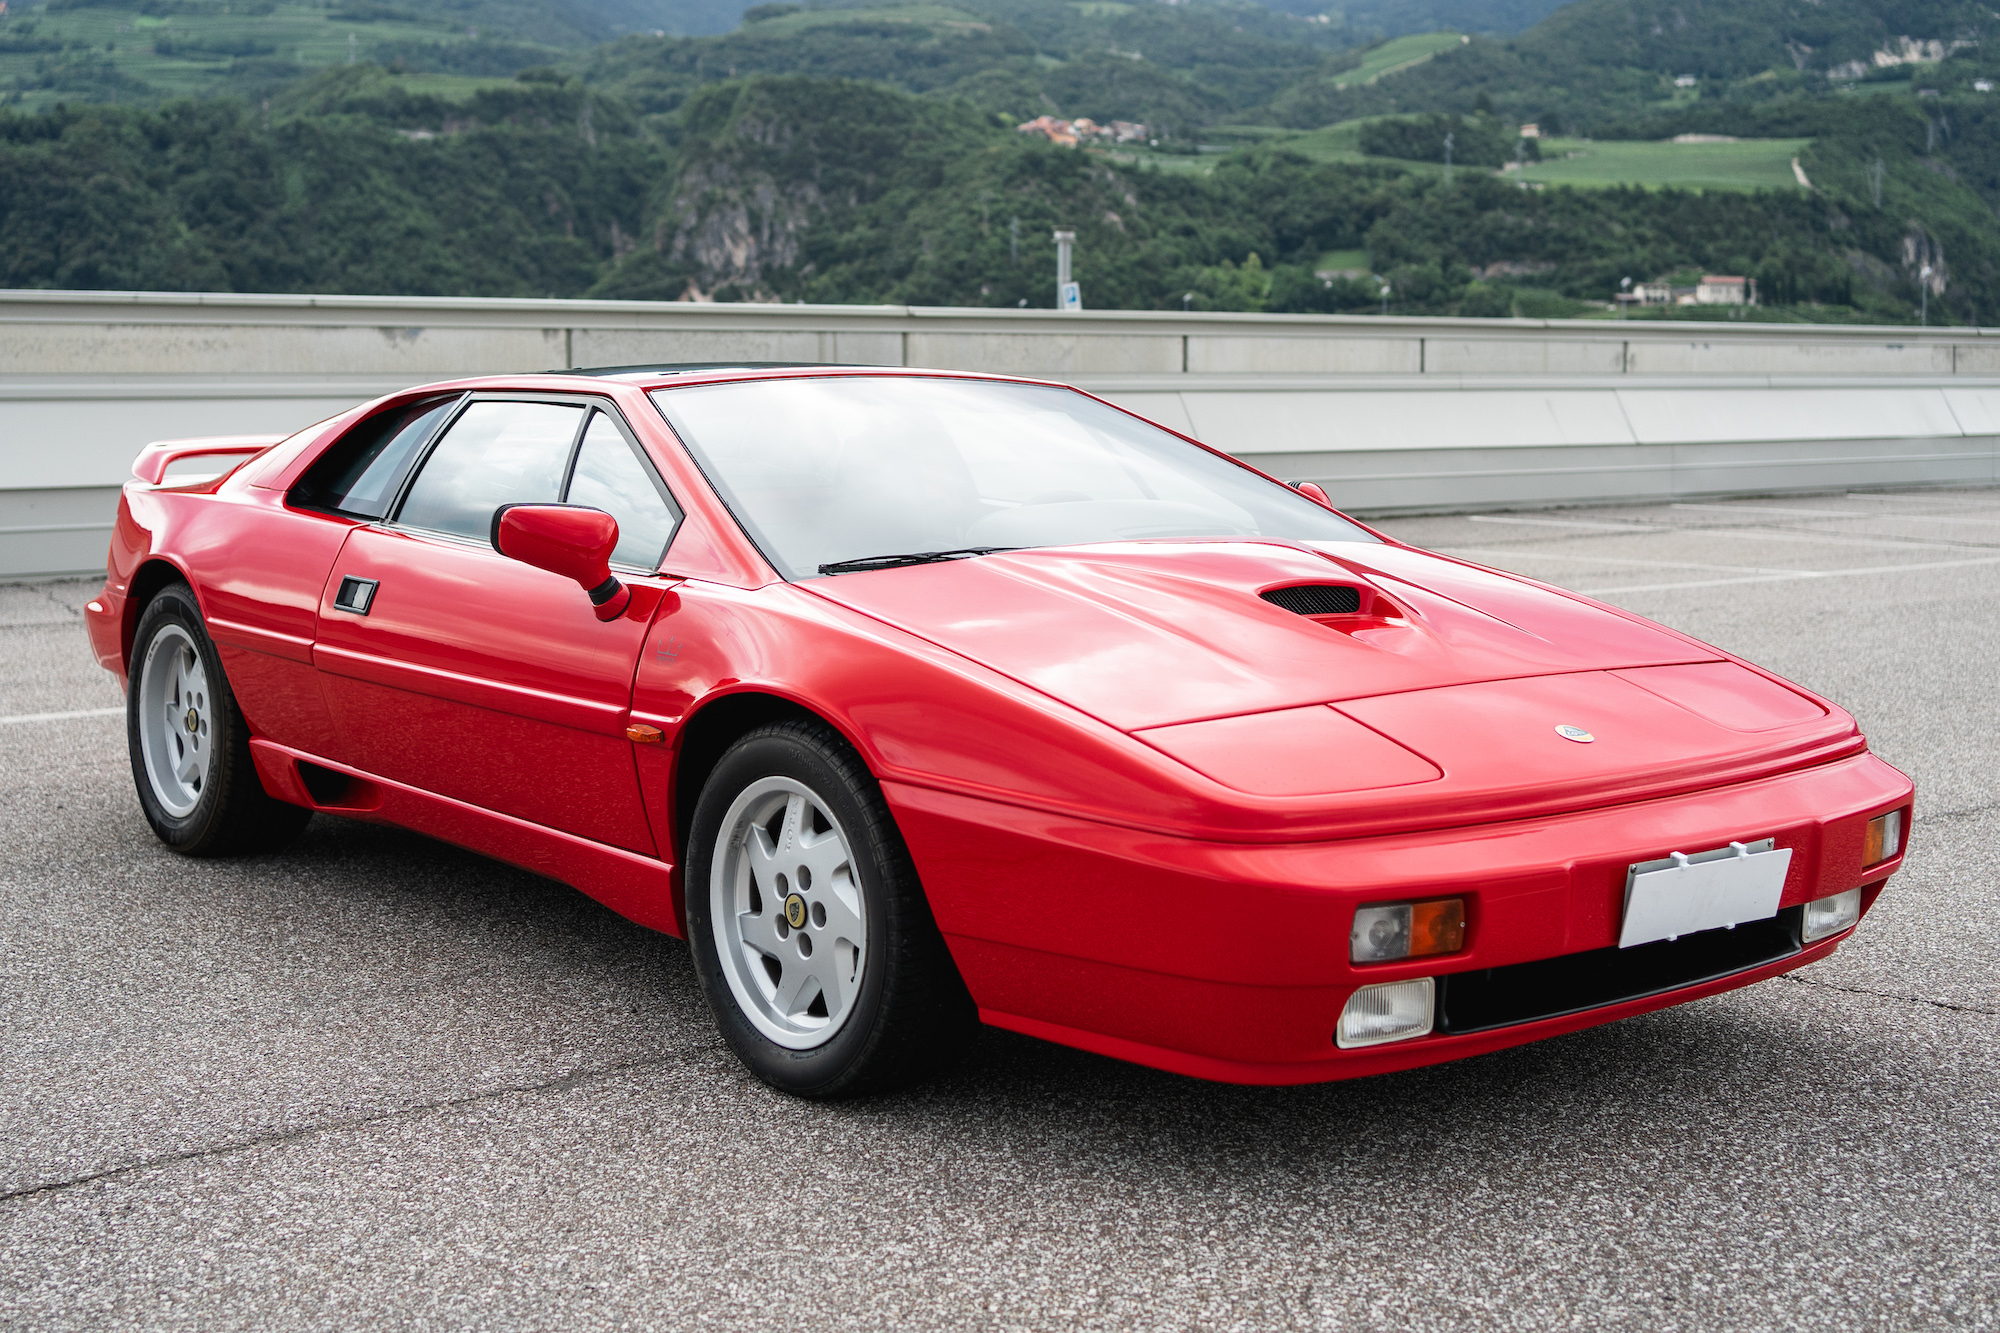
(1577, 734)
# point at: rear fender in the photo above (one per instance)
(151, 576)
(134, 571)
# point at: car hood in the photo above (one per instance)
(1149, 634)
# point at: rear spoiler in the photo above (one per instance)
(153, 461)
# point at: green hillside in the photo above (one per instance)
(1395, 56)
(1749, 164)
(147, 50)
(1595, 59)
(1389, 18)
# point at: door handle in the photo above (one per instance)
(356, 595)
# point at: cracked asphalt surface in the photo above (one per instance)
(377, 1081)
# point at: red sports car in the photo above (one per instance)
(907, 697)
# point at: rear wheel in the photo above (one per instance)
(190, 747)
(814, 941)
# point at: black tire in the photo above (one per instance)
(232, 813)
(909, 1013)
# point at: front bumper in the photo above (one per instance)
(1229, 961)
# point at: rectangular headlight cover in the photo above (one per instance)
(1391, 1011)
(1830, 916)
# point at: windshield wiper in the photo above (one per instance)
(911, 558)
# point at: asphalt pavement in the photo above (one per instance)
(378, 1082)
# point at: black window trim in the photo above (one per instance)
(591, 405)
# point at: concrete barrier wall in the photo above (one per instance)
(1389, 414)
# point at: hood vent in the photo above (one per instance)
(1316, 599)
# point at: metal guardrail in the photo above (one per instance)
(1390, 414)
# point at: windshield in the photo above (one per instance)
(826, 471)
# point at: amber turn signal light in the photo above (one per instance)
(1884, 838)
(1384, 932)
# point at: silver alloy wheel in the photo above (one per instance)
(785, 898)
(175, 720)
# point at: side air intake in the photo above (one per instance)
(1316, 599)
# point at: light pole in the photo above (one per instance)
(1447, 157)
(1187, 301)
(1924, 294)
(1624, 289)
(1069, 296)
(1385, 300)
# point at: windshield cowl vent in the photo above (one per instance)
(1316, 599)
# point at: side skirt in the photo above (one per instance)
(639, 888)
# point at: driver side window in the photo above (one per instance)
(496, 453)
(500, 453)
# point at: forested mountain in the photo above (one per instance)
(847, 154)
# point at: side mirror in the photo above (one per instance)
(1312, 491)
(570, 540)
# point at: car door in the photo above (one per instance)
(261, 559)
(453, 669)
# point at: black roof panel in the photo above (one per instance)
(687, 368)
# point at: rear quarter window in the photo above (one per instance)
(361, 472)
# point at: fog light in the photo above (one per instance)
(1885, 838)
(1390, 1011)
(1387, 931)
(1830, 916)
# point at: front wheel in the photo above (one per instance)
(190, 747)
(812, 936)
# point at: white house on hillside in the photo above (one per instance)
(1716, 289)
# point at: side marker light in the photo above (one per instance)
(1884, 839)
(1384, 932)
(1830, 916)
(1391, 1011)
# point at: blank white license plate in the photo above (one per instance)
(1679, 895)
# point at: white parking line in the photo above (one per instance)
(1941, 518)
(1931, 499)
(1744, 533)
(1789, 513)
(1775, 534)
(1959, 517)
(61, 717)
(1489, 556)
(1792, 577)
(1566, 523)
